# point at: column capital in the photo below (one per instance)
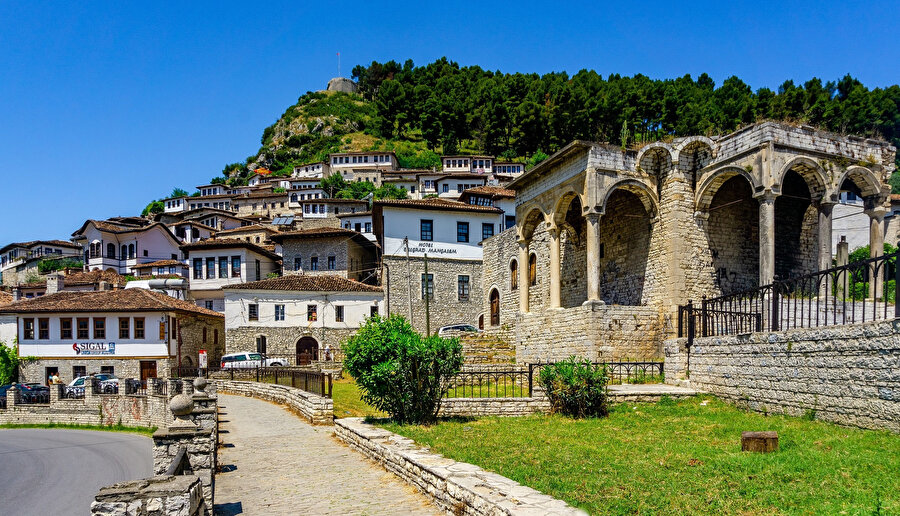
(593, 217)
(878, 213)
(765, 196)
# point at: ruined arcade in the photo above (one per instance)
(609, 241)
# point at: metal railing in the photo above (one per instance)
(863, 291)
(520, 383)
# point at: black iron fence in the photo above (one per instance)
(863, 291)
(520, 383)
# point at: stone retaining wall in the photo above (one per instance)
(156, 496)
(102, 409)
(317, 409)
(480, 407)
(456, 487)
(848, 374)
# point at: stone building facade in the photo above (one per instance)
(447, 305)
(329, 251)
(643, 231)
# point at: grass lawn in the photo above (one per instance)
(681, 458)
(347, 402)
(67, 426)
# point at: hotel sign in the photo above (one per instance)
(94, 348)
(419, 248)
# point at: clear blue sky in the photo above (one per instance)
(105, 106)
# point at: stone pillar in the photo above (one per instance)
(876, 249)
(54, 393)
(825, 211)
(12, 397)
(842, 257)
(593, 258)
(766, 238)
(524, 282)
(555, 293)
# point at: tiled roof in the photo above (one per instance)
(314, 233)
(305, 283)
(120, 227)
(121, 300)
(435, 203)
(367, 213)
(5, 298)
(159, 263)
(28, 245)
(251, 227)
(228, 243)
(95, 276)
(493, 191)
(191, 223)
(895, 197)
(334, 200)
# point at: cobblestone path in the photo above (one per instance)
(273, 462)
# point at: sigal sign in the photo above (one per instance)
(94, 348)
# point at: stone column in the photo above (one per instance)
(842, 257)
(825, 212)
(555, 293)
(524, 283)
(876, 249)
(593, 258)
(766, 238)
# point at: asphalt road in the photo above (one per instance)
(58, 472)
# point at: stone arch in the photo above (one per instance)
(732, 230)
(641, 190)
(655, 162)
(307, 350)
(796, 226)
(694, 155)
(563, 205)
(713, 182)
(530, 222)
(811, 172)
(863, 178)
(625, 231)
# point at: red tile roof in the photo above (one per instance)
(122, 300)
(493, 191)
(435, 203)
(228, 243)
(251, 227)
(5, 298)
(307, 283)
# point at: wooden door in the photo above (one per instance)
(148, 370)
(307, 350)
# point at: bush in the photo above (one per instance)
(399, 371)
(576, 388)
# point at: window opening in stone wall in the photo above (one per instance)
(462, 288)
(312, 313)
(532, 269)
(495, 307)
(253, 311)
(428, 286)
(338, 313)
(513, 275)
(261, 344)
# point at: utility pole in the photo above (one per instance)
(408, 278)
(427, 298)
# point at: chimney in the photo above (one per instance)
(103, 286)
(55, 283)
(16, 293)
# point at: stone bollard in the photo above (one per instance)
(200, 384)
(181, 406)
(54, 393)
(13, 396)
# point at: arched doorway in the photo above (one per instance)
(307, 350)
(495, 308)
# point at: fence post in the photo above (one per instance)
(530, 380)
(257, 374)
(896, 283)
(703, 327)
(774, 324)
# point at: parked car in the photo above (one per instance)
(464, 328)
(34, 392)
(249, 360)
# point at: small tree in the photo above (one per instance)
(576, 388)
(399, 371)
(9, 364)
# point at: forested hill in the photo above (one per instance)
(422, 111)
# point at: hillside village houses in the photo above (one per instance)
(561, 259)
(19, 260)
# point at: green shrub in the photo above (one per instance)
(576, 388)
(399, 371)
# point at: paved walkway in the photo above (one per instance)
(275, 463)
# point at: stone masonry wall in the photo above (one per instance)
(178, 495)
(499, 251)
(282, 342)
(446, 308)
(847, 374)
(598, 333)
(122, 367)
(102, 409)
(733, 232)
(316, 409)
(456, 487)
